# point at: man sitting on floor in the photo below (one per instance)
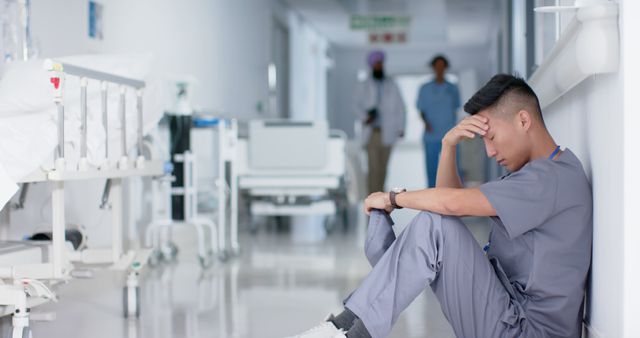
(531, 280)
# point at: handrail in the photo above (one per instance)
(98, 75)
(588, 46)
(58, 71)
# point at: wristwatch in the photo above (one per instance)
(392, 197)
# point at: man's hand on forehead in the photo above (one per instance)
(468, 128)
(483, 122)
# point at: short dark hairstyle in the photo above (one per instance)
(502, 88)
(439, 57)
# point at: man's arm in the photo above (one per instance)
(448, 201)
(445, 201)
(447, 174)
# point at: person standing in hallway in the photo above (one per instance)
(381, 108)
(438, 101)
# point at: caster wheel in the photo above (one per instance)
(131, 302)
(169, 252)
(253, 229)
(223, 256)
(155, 258)
(235, 252)
(205, 262)
(329, 224)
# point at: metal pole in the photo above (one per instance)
(140, 120)
(58, 219)
(233, 178)
(25, 18)
(60, 107)
(123, 118)
(104, 201)
(83, 116)
(105, 117)
(117, 219)
(222, 194)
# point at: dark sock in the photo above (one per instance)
(358, 330)
(344, 320)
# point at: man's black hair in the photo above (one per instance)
(497, 88)
(442, 58)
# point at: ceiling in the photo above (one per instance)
(444, 22)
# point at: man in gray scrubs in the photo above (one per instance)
(531, 280)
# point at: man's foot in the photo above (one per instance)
(344, 320)
(358, 330)
(324, 330)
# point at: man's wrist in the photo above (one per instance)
(393, 194)
(387, 200)
(447, 146)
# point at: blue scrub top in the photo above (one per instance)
(439, 101)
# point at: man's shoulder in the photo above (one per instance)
(538, 168)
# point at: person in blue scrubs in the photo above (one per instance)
(438, 101)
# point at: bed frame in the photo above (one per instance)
(27, 285)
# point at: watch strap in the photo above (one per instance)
(392, 198)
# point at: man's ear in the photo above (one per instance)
(524, 120)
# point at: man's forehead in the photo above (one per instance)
(483, 113)
(486, 114)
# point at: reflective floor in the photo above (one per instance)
(281, 284)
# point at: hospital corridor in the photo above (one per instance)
(319, 168)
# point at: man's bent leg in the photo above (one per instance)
(406, 268)
(380, 236)
(473, 299)
(414, 261)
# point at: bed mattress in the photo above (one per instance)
(28, 115)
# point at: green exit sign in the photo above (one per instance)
(366, 22)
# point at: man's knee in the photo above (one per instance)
(431, 224)
(427, 219)
(425, 224)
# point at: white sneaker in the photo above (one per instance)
(324, 330)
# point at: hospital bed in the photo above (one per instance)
(291, 168)
(105, 143)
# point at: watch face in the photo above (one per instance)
(399, 190)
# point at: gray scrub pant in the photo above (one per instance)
(438, 251)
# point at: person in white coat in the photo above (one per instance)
(381, 109)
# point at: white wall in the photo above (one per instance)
(598, 120)
(630, 26)
(224, 45)
(589, 121)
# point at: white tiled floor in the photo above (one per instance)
(274, 289)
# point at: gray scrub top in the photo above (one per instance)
(541, 242)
